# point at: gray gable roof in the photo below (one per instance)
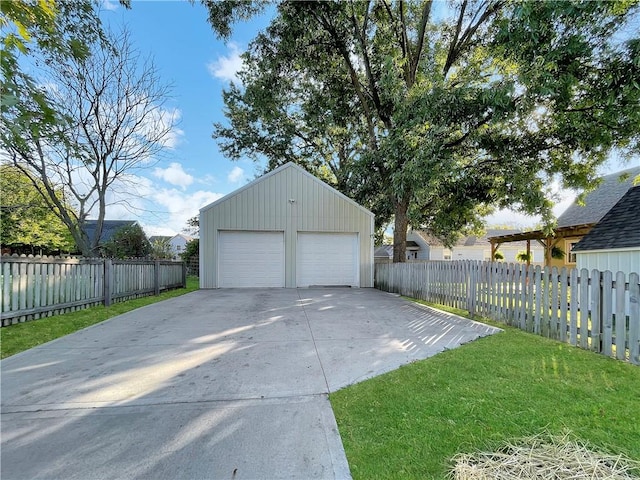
(619, 228)
(599, 201)
(109, 227)
(471, 240)
(383, 251)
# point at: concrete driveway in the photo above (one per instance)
(216, 384)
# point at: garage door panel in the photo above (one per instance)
(251, 259)
(327, 259)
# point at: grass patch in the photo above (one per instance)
(410, 422)
(23, 336)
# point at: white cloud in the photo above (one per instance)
(175, 175)
(111, 5)
(160, 120)
(227, 67)
(236, 175)
(175, 134)
(180, 206)
(512, 219)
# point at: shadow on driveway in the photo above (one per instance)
(216, 384)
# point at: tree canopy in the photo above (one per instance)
(128, 242)
(27, 223)
(435, 115)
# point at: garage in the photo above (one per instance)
(286, 229)
(251, 259)
(327, 259)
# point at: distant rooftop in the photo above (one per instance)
(109, 227)
(471, 240)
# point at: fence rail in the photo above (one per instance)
(595, 310)
(35, 287)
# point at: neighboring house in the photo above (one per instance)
(286, 229)
(423, 246)
(614, 242)
(109, 227)
(576, 221)
(470, 247)
(177, 243)
(383, 254)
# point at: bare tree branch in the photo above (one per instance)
(117, 123)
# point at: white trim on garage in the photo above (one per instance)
(327, 259)
(250, 259)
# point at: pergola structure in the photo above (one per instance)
(548, 242)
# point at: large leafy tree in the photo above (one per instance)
(27, 224)
(432, 115)
(112, 122)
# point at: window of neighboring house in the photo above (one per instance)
(178, 247)
(570, 256)
(412, 255)
(446, 254)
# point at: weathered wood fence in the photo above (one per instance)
(35, 287)
(594, 310)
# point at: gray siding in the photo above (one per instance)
(265, 205)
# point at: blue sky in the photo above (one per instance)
(193, 172)
(188, 56)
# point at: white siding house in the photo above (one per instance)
(178, 243)
(286, 229)
(614, 242)
(470, 247)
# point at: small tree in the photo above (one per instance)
(191, 256)
(193, 226)
(127, 242)
(161, 249)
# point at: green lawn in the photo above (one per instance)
(23, 336)
(410, 422)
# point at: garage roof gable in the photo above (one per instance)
(289, 165)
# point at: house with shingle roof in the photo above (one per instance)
(177, 243)
(109, 227)
(614, 242)
(576, 221)
(471, 247)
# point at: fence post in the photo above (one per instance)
(184, 275)
(473, 283)
(108, 281)
(156, 277)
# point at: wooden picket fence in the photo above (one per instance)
(35, 286)
(594, 310)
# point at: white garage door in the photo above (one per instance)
(251, 259)
(327, 259)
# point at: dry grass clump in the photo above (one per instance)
(544, 457)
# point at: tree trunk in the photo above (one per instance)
(401, 224)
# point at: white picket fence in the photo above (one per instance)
(594, 310)
(35, 287)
